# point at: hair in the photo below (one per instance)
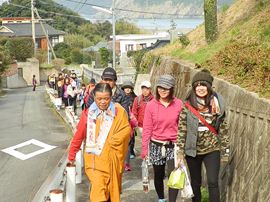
(102, 88)
(170, 94)
(191, 97)
(67, 79)
(83, 85)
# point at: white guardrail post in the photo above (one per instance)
(79, 167)
(71, 186)
(56, 195)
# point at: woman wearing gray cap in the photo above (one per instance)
(160, 133)
(202, 134)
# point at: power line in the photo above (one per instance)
(135, 11)
(43, 11)
(81, 6)
(89, 4)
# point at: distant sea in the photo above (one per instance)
(163, 24)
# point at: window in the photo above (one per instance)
(143, 45)
(129, 47)
(55, 40)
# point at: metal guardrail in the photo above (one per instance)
(61, 183)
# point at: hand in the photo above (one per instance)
(71, 162)
(180, 160)
(144, 156)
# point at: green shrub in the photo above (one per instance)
(137, 57)
(62, 50)
(205, 194)
(77, 41)
(42, 56)
(58, 63)
(76, 56)
(5, 60)
(184, 40)
(105, 55)
(3, 41)
(20, 48)
(68, 61)
(87, 58)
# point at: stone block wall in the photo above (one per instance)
(246, 175)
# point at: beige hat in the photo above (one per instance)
(146, 84)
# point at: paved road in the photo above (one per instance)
(26, 115)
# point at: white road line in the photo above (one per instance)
(12, 150)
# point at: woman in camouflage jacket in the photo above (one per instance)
(202, 134)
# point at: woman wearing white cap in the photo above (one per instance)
(160, 133)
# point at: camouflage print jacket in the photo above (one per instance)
(191, 142)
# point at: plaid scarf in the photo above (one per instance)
(95, 144)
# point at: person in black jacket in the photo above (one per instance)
(109, 76)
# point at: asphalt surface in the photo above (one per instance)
(27, 115)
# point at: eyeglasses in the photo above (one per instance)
(163, 89)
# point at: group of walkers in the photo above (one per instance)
(70, 89)
(173, 131)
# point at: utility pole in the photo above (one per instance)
(33, 25)
(113, 27)
(45, 33)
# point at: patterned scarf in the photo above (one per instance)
(95, 144)
(212, 109)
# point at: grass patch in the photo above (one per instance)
(46, 66)
(202, 55)
(205, 194)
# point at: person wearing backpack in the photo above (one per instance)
(139, 104)
(202, 134)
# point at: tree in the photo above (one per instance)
(77, 41)
(20, 48)
(124, 27)
(62, 50)
(210, 19)
(105, 55)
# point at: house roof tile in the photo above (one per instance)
(25, 29)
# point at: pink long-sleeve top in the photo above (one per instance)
(160, 122)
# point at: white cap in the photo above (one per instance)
(147, 84)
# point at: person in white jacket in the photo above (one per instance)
(72, 94)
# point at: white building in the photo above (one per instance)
(133, 42)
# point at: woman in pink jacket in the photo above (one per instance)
(160, 133)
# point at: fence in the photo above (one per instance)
(61, 184)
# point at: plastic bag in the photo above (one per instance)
(145, 176)
(176, 179)
(186, 192)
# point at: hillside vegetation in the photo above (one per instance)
(241, 55)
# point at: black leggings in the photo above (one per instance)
(212, 165)
(159, 175)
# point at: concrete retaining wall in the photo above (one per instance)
(246, 176)
(30, 68)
